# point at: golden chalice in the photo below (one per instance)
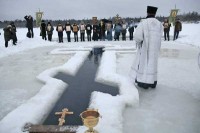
(90, 119)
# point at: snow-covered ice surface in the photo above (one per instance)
(18, 77)
(172, 107)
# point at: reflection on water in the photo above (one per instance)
(173, 53)
(97, 53)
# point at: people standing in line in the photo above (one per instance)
(102, 30)
(117, 30)
(95, 29)
(88, 31)
(13, 33)
(177, 28)
(166, 26)
(60, 30)
(131, 29)
(148, 40)
(29, 24)
(68, 29)
(109, 29)
(123, 30)
(49, 31)
(7, 34)
(43, 29)
(82, 31)
(75, 30)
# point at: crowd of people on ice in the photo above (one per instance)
(102, 31)
(97, 31)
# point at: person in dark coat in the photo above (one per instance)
(7, 34)
(88, 31)
(166, 26)
(75, 30)
(68, 29)
(102, 30)
(177, 28)
(13, 33)
(60, 30)
(29, 24)
(43, 29)
(82, 31)
(131, 29)
(95, 29)
(49, 31)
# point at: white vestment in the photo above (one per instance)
(148, 40)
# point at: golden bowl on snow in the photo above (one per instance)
(90, 119)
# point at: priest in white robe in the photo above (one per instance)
(148, 40)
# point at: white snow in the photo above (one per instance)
(24, 98)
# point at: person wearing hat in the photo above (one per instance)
(177, 28)
(148, 40)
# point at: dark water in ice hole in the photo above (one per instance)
(77, 96)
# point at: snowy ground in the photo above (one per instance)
(172, 107)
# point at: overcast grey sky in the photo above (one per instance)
(80, 9)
